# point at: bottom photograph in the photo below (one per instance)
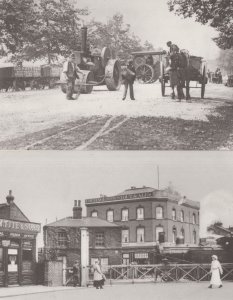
(71, 223)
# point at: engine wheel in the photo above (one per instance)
(113, 75)
(145, 73)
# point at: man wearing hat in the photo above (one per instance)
(173, 48)
(70, 70)
(128, 78)
(216, 271)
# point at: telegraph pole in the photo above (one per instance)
(158, 176)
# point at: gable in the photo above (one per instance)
(16, 214)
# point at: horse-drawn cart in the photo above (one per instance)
(194, 70)
(147, 65)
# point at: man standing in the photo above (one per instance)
(173, 48)
(128, 78)
(70, 72)
(76, 272)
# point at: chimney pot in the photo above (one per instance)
(77, 210)
(79, 203)
(10, 198)
(75, 202)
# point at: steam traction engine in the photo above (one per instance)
(98, 68)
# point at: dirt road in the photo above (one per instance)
(36, 120)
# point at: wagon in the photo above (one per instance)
(147, 65)
(196, 71)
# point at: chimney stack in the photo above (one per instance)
(77, 210)
(10, 198)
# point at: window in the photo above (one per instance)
(194, 237)
(182, 232)
(159, 212)
(125, 236)
(174, 234)
(182, 216)
(1, 259)
(125, 214)
(140, 213)
(140, 235)
(103, 263)
(174, 214)
(94, 213)
(194, 219)
(62, 239)
(159, 234)
(99, 239)
(110, 215)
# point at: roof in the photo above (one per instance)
(148, 53)
(84, 222)
(134, 190)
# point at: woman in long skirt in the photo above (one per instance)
(216, 270)
(98, 275)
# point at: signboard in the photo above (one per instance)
(141, 255)
(6, 243)
(19, 226)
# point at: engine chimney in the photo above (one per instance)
(10, 198)
(77, 210)
(84, 39)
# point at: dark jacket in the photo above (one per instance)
(128, 74)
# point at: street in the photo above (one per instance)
(177, 291)
(45, 120)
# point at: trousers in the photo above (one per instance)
(131, 92)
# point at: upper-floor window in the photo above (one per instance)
(110, 215)
(194, 219)
(182, 233)
(174, 234)
(125, 236)
(160, 234)
(140, 213)
(99, 239)
(159, 212)
(194, 237)
(94, 213)
(62, 239)
(181, 216)
(173, 214)
(125, 214)
(140, 234)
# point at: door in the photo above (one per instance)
(13, 266)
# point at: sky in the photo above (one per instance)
(46, 183)
(152, 21)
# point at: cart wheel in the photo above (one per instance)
(145, 73)
(105, 56)
(84, 89)
(139, 60)
(203, 83)
(162, 79)
(113, 75)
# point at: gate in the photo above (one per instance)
(163, 273)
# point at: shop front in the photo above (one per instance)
(17, 252)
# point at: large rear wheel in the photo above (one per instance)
(113, 75)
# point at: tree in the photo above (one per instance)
(225, 60)
(116, 35)
(216, 13)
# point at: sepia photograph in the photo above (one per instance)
(116, 75)
(116, 221)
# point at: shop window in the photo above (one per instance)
(174, 234)
(140, 213)
(27, 259)
(62, 239)
(1, 259)
(182, 216)
(110, 215)
(194, 218)
(140, 235)
(99, 239)
(125, 236)
(125, 258)
(174, 214)
(125, 214)
(94, 214)
(159, 212)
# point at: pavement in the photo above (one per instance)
(159, 291)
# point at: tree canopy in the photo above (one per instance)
(215, 13)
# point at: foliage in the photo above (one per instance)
(116, 35)
(210, 228)
(216, 13)
(225, 60)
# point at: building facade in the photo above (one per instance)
(149, 219)
(17, 245)
(62, 239)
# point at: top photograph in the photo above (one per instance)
(116, 75)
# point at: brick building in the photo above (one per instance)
(17, 245)
(148, 218)
(63, 238)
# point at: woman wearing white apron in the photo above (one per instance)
(216, 270)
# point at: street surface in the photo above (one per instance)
(167, 291)
(45, 120)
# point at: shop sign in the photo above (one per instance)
(28, 236)
(2, 234)
(21, 226)
(27, 244)
(6, 243)
(14, 244)
(141, 255)
(14, 234)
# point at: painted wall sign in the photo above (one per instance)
(21, 226)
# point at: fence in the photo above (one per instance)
(162, 273)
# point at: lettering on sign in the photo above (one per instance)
(141, 255)
(121, 197)
(13, 234)
(15, 225)
(6, 243)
